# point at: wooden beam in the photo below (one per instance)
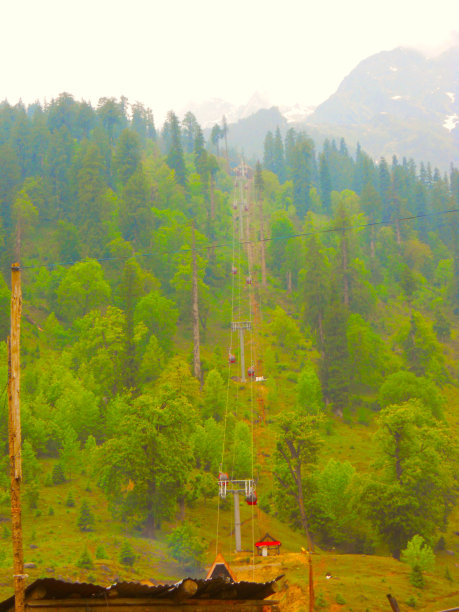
(393, 603)
(124, 604)
(186, 589)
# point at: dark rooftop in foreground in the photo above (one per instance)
(49, 594)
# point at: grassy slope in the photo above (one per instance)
(55, 543)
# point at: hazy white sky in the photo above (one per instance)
(168, 52)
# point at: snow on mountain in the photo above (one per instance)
(296, 113)
(450, 122)
(210, 112)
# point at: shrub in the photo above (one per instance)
(58, 476)
(70, 502)
(86, 519)
(185, 546)
(85, 561)
(340, 599)
(100, 553)
(32, 495)
(320, 602)
(127, 555)
(418, 552)
(416, 577)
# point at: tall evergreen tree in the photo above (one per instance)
(175, 159)
(336, 362)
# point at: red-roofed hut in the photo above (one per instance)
(268, 546)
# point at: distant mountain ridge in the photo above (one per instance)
(396, 102)
(210, 112)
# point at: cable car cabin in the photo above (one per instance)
(251, 499)
(222, 476)
(251, 372)
(235, 206)
(248, 280)
(233, 270)
(232, 358)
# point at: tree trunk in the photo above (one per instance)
(397, 233)
(212, 196)
(262, 246)
(195, 317)
(344, 255)
(304, 520)
(321, 334)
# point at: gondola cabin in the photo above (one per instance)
(233, 270)
(252, 499)
(231, 358)
(251, 372)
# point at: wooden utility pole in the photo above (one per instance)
(195, 315)
(310, 576)
(14, 434)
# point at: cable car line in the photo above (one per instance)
(223, 245)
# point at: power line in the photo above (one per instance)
(329, 230)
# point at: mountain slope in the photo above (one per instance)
(398, 102)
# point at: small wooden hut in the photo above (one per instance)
(268, 546)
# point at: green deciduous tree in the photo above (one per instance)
(297, 450)
(185, 547)
(402, 386)
(82, 289)
(421, 349)
(309, 391)
(214, 395)
(414, 489)
(160, 315)
(144, 467)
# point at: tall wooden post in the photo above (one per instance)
(311, 583)
(195, 316)
(14, 434)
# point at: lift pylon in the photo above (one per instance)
(237, 488)
(241, 326)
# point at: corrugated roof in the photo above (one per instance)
(215, 588)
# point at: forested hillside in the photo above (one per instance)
(348, 269)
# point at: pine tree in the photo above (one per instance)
(85, 561)
(86, 518)
(385, 188)
(127, 155)
(325, 183)
(268, 154)
(336, 363)
(278, 165)
(301, 173)
(127, 555)
(175, 159)
(58, 476)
